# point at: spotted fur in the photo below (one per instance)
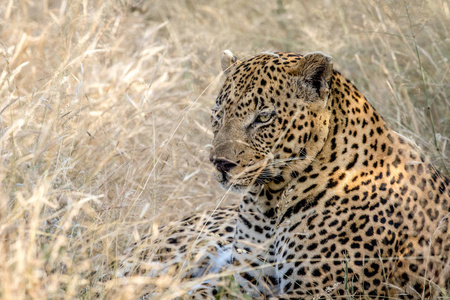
(336, 203)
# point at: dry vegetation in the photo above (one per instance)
(104, 114)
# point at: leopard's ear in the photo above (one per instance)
(315, 70)
(228, 60)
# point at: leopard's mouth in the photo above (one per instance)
(246, 179)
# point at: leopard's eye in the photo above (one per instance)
(264, 117)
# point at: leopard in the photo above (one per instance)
(179, 255)
(334, 202)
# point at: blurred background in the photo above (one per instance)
(105, 108)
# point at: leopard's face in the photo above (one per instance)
(270, 118)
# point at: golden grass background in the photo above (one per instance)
(105, 107)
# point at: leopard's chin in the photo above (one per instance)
(240, 189)
(228, 184)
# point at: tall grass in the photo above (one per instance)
(104, 115)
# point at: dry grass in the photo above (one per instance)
(104, 114)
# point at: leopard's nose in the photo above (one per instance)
(222, 165)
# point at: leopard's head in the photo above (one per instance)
(270, 118)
